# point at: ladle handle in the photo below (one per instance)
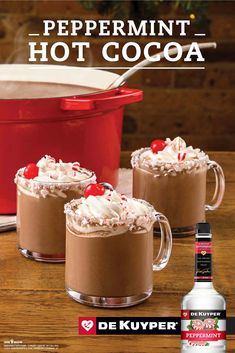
(123, 78)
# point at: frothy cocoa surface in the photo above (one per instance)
(114, 266)
(29, 90)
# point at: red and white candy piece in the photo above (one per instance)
(181, 156)
(157, 145)
(94, 190)
(50, 159)
(31, 171)
(76, 166)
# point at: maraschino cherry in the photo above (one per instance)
(31, 171)
(157, 145)
(94, 190)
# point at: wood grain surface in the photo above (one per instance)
(35, 309)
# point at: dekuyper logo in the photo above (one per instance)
(128, 325)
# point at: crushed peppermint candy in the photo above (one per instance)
(174, 158)
(109, 210)
(52, 178)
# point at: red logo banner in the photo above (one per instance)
(203, 335)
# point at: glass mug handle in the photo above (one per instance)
(219, 186)
(164, 253)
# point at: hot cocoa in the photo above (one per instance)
(42, 191)
(172, 177)
(109, 249)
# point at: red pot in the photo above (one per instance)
(84, 128)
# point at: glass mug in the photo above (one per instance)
(40, 216)
(181, 197)
(117, 270)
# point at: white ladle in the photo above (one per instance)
(123, 78)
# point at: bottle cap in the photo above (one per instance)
(204, 228)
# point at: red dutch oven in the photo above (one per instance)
(85, 128)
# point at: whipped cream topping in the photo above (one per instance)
(175, 157)
(52, 171)
(112, 212)
(55, 177)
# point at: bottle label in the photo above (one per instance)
(203, 257)
(203, 327)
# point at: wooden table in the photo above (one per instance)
(35, 309)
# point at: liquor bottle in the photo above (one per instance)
(203, 314)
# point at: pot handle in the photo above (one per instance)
(124, 96)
